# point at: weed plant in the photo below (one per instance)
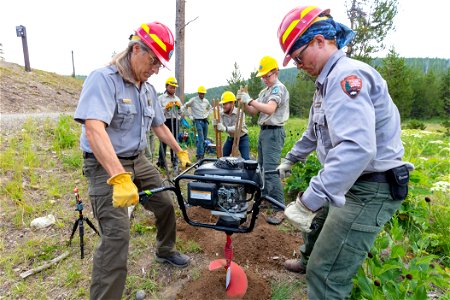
(410, 259)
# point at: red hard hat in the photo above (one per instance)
(159, 38)
(294, 24)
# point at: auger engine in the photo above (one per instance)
(223, 188)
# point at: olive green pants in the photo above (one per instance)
(346, 237)
(110, 259)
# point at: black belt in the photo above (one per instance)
(91, 155)
(203, 120)
(232, 138)
(380, 177)
(264, 127)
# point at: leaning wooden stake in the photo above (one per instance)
(216, 115)
(238, 126)
(237, 131)
(45, 266)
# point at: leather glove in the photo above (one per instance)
(178, 104)
(214, 122)
(221, 127)
(284, 169)
(299, 215)
(183, 156)
(125, 192)
(244, 97)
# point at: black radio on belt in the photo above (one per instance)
(398, 179)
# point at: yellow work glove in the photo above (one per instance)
(169, 105)
(178, 104)
(125, 192)
(183, 156)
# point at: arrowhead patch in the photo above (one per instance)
(275, 90)
(351, 85)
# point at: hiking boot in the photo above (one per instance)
(295, 265)
(177, 259)
(276, 218)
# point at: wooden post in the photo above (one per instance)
(21, 32)
(179, 48)
(73, 66)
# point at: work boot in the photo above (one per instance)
(276, 218)
(177, 259)
(295, 265)
(200, 157)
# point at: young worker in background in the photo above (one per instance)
(273, 108)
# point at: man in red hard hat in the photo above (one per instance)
(117, 107)
(354, 126)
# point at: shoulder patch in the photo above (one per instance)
(351, 85)
(275, 90)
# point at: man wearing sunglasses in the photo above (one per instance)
(117, 107)
(273, 108)
(354, 126)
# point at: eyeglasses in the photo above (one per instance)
(298, 60)
(267, 76)
(154, 61)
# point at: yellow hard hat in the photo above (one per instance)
(202, 89)
(227, 97)
(266, 65)
(172, 81)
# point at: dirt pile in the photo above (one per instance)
(36, 91)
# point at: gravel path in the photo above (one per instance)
(14, 121)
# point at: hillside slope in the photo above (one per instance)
(36, 91)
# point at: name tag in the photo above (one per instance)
(127, 101)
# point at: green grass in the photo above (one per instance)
(41, 164)
(288, 290)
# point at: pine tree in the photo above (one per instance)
(398, 77)
(372, 21)
(236, 81)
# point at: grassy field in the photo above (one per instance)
(41, 165)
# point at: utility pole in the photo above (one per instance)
(73, 66)
(179, 48)
(21, 31)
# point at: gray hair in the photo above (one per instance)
(122, 60)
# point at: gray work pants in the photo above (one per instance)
(110, 258)
(270, 145)
(346, 237)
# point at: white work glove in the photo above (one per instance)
(214, 122)
(244, 97)
(221, 127)
(299, 215)
(284, 169)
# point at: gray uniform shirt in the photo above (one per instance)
(199, 107)
(278, 93)
(354, 126)
(127, 111)
(173, 112)
(229, 121)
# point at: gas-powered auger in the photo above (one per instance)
(230, 188)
